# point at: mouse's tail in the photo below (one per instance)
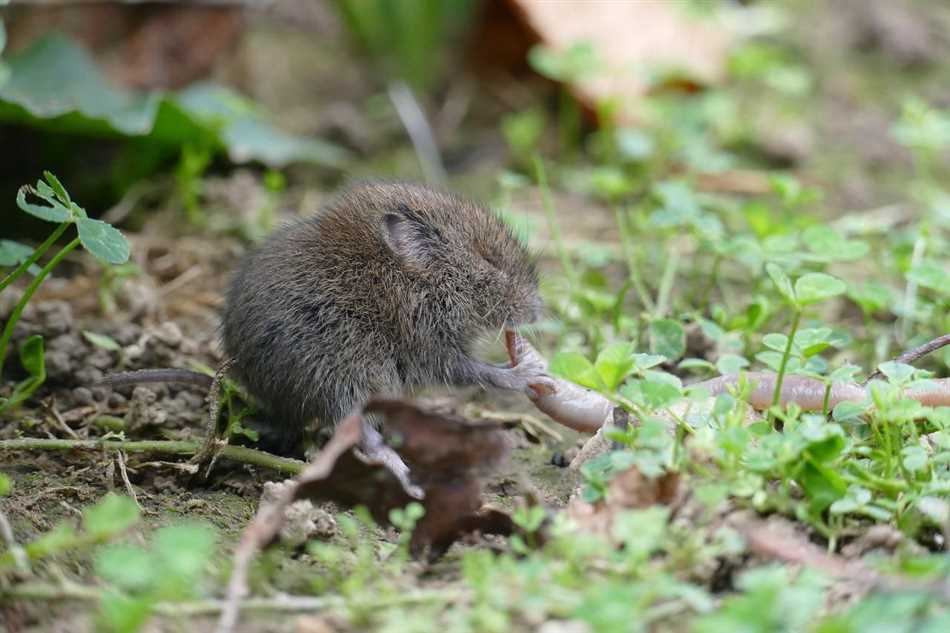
(141, 376)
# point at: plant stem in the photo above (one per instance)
(542, 180)
(910, 292)
(42, 248)
(666, 285)
(633, 269)
(27, 294)
(777, 395)
(278, 604)
(420, 132)
(235, 453)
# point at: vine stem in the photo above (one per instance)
(541, 178)
(29, 261)
(279, 604)
(234, 453)
(28, 293)
(420, 132)
(780, 377)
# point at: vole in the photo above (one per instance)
(384, 290)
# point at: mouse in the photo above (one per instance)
(386, 289)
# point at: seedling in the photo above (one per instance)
(105, 243)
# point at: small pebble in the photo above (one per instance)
(83, 395)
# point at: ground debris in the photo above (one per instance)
(628, 490)
(446, 455)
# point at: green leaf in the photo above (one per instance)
(102, 341)
(728, 364)
(13, 254)
(871, 296)
(915, 458)
(646, 361)
(184, 550)
(576, 368)
(6, 485)
(247, 135)
(57, 187)
(60, 538)
(774, 341)
(845, 373)
(55, 83)
(897, 373)
(695, 363)
(31, 357)
(129, 567)
(930, 275)
(104, 241)
(112, 515)
(667, 338)
(815, 287)
(827, 245)
(772, 360)
(54, 213)
(847, 411)
(781, 281)
(659, 395)
(614, 363)
(119, 613)
(822, 484)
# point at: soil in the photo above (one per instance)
(166, 315)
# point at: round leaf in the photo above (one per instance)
(667, 338)
(816, 287)
(112, 515)
(103, 241)
(55, 213)
(781, 281)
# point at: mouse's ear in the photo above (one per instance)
(408, 239)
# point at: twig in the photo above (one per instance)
(180, 281)
(167, 447)
(419, 131)
(529, 422)
(212, 446)
(16, 551)
(51, 407)
(277, 604)
(120, 459)
(911, 356)
(266, 524)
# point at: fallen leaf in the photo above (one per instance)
(631, 39)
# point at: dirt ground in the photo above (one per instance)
(167, 315)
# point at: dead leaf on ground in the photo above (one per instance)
(632, 39)
(446, 455)
(147, 46)
(629, 490)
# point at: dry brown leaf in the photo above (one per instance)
(629, 490)
(632, 38)
(446, 456)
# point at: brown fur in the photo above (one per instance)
(383, 290)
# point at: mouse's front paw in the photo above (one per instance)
(530, 377)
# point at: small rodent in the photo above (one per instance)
(384, 290)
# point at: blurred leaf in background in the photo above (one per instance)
(55, 84)
(406, 38)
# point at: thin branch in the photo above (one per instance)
(16, 550)
(277, 604)
(419, 131)
(911, 356)
(234, 453)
